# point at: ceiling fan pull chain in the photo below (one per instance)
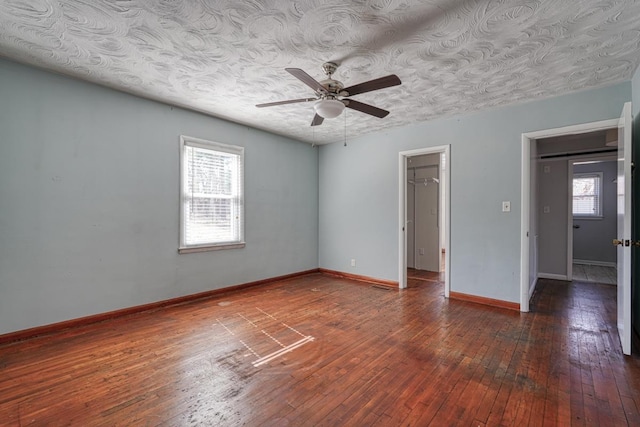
(345, 128)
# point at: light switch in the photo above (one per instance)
(506, 206)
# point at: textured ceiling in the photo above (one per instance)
(223, 57)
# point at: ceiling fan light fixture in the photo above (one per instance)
(328, 108)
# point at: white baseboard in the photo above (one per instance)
(553, 276)
(598, 263)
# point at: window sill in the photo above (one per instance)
(193, 249)
(588, 218)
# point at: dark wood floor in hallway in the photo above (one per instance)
(321, 351)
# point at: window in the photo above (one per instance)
(587, 195)
(211, 192)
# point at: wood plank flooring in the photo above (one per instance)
(423, 277)
(377, 357)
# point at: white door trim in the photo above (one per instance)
(402, 212)
(527, 139)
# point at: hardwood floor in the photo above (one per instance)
(422, 277)
(370, 356)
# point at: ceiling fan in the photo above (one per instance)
(332, 96)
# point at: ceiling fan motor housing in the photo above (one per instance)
(333, 86)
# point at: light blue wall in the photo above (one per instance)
(89, 201)
(359, 190)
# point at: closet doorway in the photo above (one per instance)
(424, 217)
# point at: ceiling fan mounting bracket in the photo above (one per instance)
(329, 68)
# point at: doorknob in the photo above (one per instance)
(617, 242)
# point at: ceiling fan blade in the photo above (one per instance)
(290, 101)
(317, 120)
(381, 83)
(365, 108)
(306, 79)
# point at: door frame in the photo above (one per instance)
(445, 212)
(529, 138)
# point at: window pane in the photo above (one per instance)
(209, 220)
(584, 205)
(209, 172)
(584, 186)
(587, 194)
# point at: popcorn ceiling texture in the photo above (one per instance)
(223, 57)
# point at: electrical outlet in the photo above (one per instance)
(506, 206)
(353, 263)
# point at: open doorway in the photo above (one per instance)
(532, 209)
(424, 253)
(576, 213)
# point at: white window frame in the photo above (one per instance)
(598, 214)
(184, 247)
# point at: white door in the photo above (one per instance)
(623, 238)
